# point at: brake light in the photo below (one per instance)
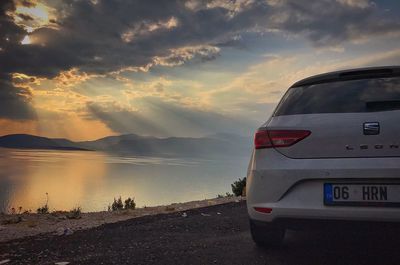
(263, 209)
(278, 138)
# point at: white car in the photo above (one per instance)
(329, 152)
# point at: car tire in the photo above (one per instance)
(266, 235)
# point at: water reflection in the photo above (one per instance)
(66, 176)
(92, 179)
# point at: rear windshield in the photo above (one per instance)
(366, 95)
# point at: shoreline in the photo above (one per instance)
(58, 224)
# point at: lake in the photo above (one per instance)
(91, 180)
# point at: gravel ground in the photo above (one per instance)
(212, 235)
(23, 225)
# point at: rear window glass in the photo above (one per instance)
(364, 95)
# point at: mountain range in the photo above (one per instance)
(221, 144)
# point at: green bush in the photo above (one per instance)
(227, 195)
(130, 204)
(117, 204)
(238, 186)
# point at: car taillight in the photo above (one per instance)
(278, 138)
(263, 209)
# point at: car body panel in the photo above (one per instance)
(294, 187)
(342, 148)
(341, 134)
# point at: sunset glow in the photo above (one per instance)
(37, 13)
(189, 69)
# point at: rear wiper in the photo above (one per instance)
(384, 105)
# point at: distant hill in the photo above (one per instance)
(217, 145)
(26, 141)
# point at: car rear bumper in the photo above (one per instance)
(293, 188)
(342, 213)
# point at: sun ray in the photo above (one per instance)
(26, 40)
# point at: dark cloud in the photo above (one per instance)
(10, 34)
(27, 3)
(91, 36)
(329, 23)
(113, 34)
(15, 102)
(25, 17)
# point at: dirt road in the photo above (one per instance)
(213, 235)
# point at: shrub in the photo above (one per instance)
(75, 213)
(117, 204)
(227, 195)
(43, 210)
(238, 186)
(130, 204)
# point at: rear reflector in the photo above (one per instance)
(278, 138)
(263, 210)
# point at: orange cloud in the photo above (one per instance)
(72, 77)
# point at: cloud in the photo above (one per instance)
(329, 23)
(103, 37)
(182, 55)
(356, 3)
(15, 101)
(147, 27)
(256, 91)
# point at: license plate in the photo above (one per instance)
(362, 194)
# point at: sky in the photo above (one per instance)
(83, 70)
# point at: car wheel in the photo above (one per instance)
(266, 235)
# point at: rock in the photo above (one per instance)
(184, 215)
(68, 231)
(205, 214)
(62, 263)
(61, 231)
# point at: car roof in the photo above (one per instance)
(350, 74)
